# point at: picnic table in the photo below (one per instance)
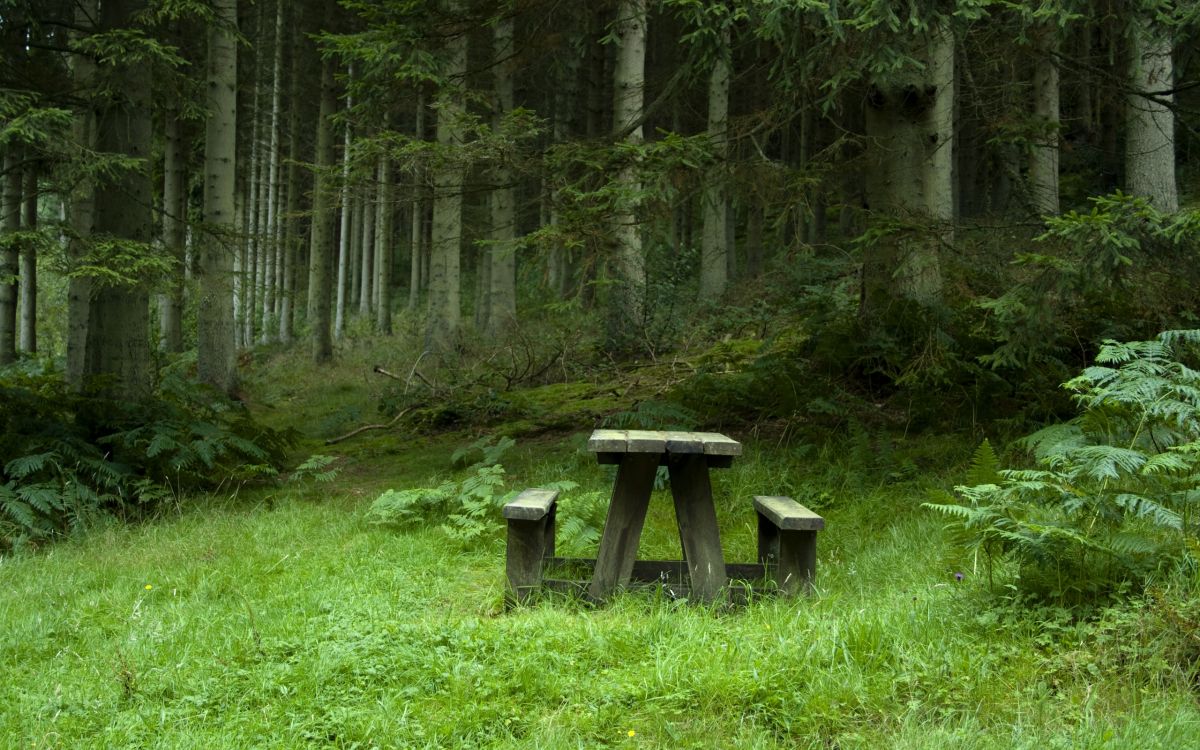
(786, 529)
(687, 456)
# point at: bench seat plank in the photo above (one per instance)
(531, 505)
(716, 444)
(645, 441)
(787, 514)
(607, 441)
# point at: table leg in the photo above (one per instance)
(623, 526)
(698, 525)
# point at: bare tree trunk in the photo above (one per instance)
(366, 270)
(250, 261)
(913, 177)
(117, 355)
(216, 353)
(1043, 159)
(287, 305)
(320, 247)
(445, 304)
(418, 212)
(383, 248)
(629, 76)
(714, 249)
(343, 265)
(174, 203)
(354, 280)
(270, 228)
(1150, 122)
(502, 270)
(81, 206)
(29, 292)
(11, 215)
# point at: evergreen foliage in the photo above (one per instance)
(74, 458)
(1114, 498)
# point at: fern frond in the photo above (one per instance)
(985, 468)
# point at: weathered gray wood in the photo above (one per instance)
(698, 530)
(650, 571)
(607, 441)
(623, 526)
(788, 514)
(716, 444)
(797, 561)
(646, 441)
(768, 541)
(684, 442)
(531, 504)
(735, 594)
(525, 549)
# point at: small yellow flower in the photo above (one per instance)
(148, 587)
(631, 733)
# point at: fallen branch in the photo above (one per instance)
(365, 428)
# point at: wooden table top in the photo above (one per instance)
(657, 441)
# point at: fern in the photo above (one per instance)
(1113, 500)
(984, 469)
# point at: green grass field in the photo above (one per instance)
(281, 618)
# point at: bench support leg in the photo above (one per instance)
(697, 518)
(768, 541)
(623, 526)
(797, 561)
(527, 541)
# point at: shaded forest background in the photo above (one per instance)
(916, 216)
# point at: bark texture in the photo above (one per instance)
(1043, 159)
(629, 78)
(445, 283)
(320, 277)
(27, 337)
(218, 245)
(502, 270)
(1150, 123)
(714, 249)
(10, 222)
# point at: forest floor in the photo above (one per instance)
(280, 617)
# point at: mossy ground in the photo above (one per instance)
(280, 618)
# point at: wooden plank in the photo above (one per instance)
(525, 549)
(697, 520)
(736, 594)
(649, 571)
(788, 514)
(623, 526)
(607, 441)
(716, 444)
(797, 561)
(684, 442)
(646, 441)
(531, 504)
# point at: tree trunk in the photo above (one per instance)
(345, 228)
(28, 334)
(416, 272)
(629, 75)
(216, 363)
(11, 217)
(116, 360)
(270, 244)
(320, 248)
(174, 207)
(445, 306)
(81, 206)
(1150, 122)
(714, 249)
(912, 125)
(502, 276)
(1043, 159)
(383, 248)
(354, 278)
(366, 270)
(287, 304)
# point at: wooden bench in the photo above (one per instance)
(787, 541)
(530, 539)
